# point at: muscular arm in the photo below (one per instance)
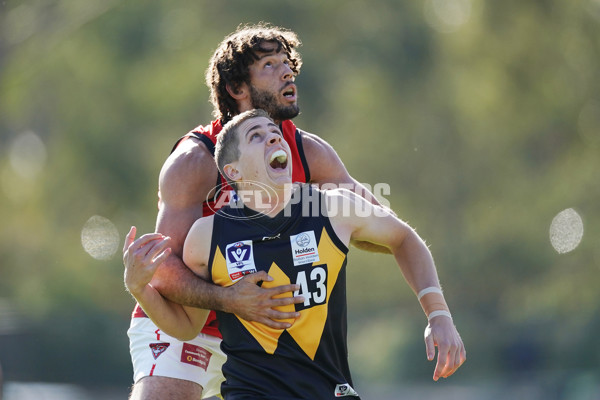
(176, 320)
(327, 170)
(185, 181)
(377, 225)
(357, 219)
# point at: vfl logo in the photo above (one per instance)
(158, 348)
(238, 253)
(240, 259)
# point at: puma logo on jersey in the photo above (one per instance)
(344, 389)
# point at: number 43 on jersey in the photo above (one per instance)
(313, 286)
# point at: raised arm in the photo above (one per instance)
(186, 179)
(327, 170)
(354, 218)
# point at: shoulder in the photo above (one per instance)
(199, 237)
(202, 228)
(314, 144)
(344, 204)
(338, 196)
(323, 161)
(196, 249)
(189, 173)
(338, 202)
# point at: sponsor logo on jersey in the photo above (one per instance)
(158, 348)
(344, 389)
(304, 248)
(195, 355)
(265, 238)
(240, 259)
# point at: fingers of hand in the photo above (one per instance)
(446, 359)
(133, 246)
(267, 294)
(147, 250)
(275, 315)
(129, 238)
(140, 265)
(461, 356)
(451, 355)
(439, 366)
(283, 289)
(258, 277)
(159, 259)
(429, 347)
(457, 362)
(281, 315)
(261, 304)
(285, 301)
(274, 324)
(269, 302)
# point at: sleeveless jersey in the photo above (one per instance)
(208, 135)
(308, 360)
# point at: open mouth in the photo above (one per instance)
(279, 160)
(290, 92)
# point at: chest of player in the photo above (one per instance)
(301, 250)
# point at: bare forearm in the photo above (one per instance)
(416, 262)
(179, 284)
(168, 316)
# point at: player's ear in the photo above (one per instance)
(231, 172)
(239, 93)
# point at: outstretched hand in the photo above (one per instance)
(252, 302)
(442, 333)
(141, 257)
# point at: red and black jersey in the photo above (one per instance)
(207, 134)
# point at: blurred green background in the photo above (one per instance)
(482, 116)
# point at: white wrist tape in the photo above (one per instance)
(439, 313)
(434, 305)
(430, 289)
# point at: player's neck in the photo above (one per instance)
(269, 201)
(247, 106)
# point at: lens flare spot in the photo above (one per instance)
(447, 16)
(100, 238)
(566, 231)
(28, 155)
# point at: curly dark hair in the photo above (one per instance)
(230, 61)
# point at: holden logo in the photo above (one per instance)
(302, 240)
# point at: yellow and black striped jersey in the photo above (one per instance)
(310, 359)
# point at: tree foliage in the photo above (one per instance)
(483, 117)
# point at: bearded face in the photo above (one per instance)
(267, 101)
